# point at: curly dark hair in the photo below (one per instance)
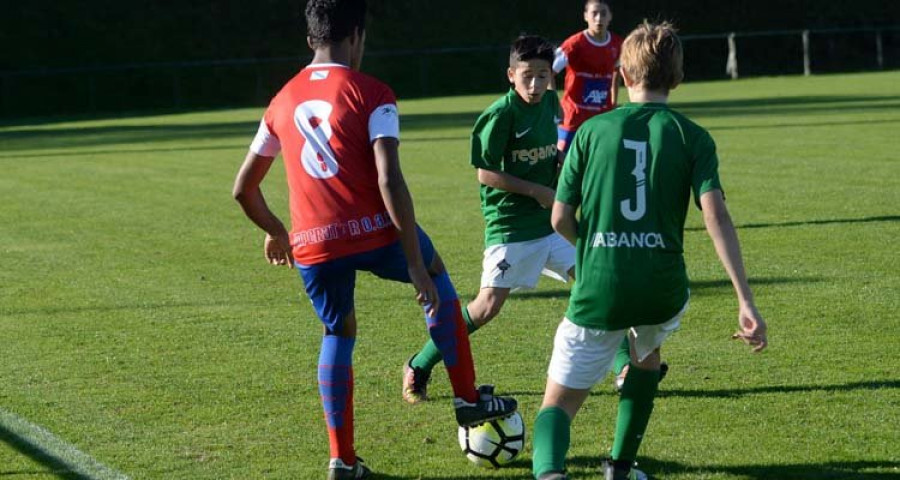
(331, 21)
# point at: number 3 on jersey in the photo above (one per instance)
(317, 157)
(635, 209)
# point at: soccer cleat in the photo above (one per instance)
(415, 383)
(486, 408)
(553, 476)
(620, 378)
(610, 472)
(338, 470)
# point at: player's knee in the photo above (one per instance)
(650, 362)
(485, 308)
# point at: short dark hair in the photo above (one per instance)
(605, 2)
(530, 47)
(331, 21)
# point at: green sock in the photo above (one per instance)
(551, 441)
(430, 356)
(635, 407)
(623, 356)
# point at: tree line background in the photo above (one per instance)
(104, 55)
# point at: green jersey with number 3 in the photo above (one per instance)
(519, 139)
(631, 171)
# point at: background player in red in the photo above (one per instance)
(338, 132)
(589, 58)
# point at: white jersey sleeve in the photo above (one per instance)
(265, 144)
(384, 122)
(560, 60)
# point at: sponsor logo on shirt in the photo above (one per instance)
(523, 133)
(534, 155)
(352, 228)
(319, 75)
(628, 240)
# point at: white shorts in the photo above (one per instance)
(583, 356)
(520, 264)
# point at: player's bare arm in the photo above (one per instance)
(399, 204)
(277, 245)
(511, 183)
(564, 222)
(752, 327)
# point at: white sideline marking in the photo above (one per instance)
(76, 460)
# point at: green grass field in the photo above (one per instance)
(140, 324)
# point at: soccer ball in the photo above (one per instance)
(494, 443)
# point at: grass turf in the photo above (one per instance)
(139, 322)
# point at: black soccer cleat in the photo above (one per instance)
(338, 470)
(486, 408)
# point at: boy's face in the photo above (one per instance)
(597, 16)
(530, 79)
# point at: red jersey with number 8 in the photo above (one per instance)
(324, 121)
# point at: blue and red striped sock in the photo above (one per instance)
(336, 391)
(449, 333)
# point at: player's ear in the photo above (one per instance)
(625, 78)
(309, 43)
(511, 75)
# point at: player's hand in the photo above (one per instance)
(752, 328)
(546, 197)
(426, 292)
(278, 250)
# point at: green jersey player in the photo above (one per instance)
(515, 154)
(631, 173)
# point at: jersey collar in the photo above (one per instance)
(326, 65)
(596, 43)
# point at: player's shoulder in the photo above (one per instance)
(687, 123)
(572, 40)
(615, 40)
(500, 107)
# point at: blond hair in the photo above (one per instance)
(652, 56)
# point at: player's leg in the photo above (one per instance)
(417, 371)
(447, 330)
(560, 261)
(504, 267)
(330, 288)
(564, 139)
(639, 391)
(623, 358)
(581, 357)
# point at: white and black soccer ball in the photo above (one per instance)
(494, 443)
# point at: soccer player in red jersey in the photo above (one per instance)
(590, 59)
(338, 132)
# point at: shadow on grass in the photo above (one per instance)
(802, 223)
(742, 392)
(47, 137)
(698, 287)
(56, 466)
(806, 104)
(657, 469)
(604, 389)
(836, 123)
(40, 134)
(705, 287)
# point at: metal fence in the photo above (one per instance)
(419, 72)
